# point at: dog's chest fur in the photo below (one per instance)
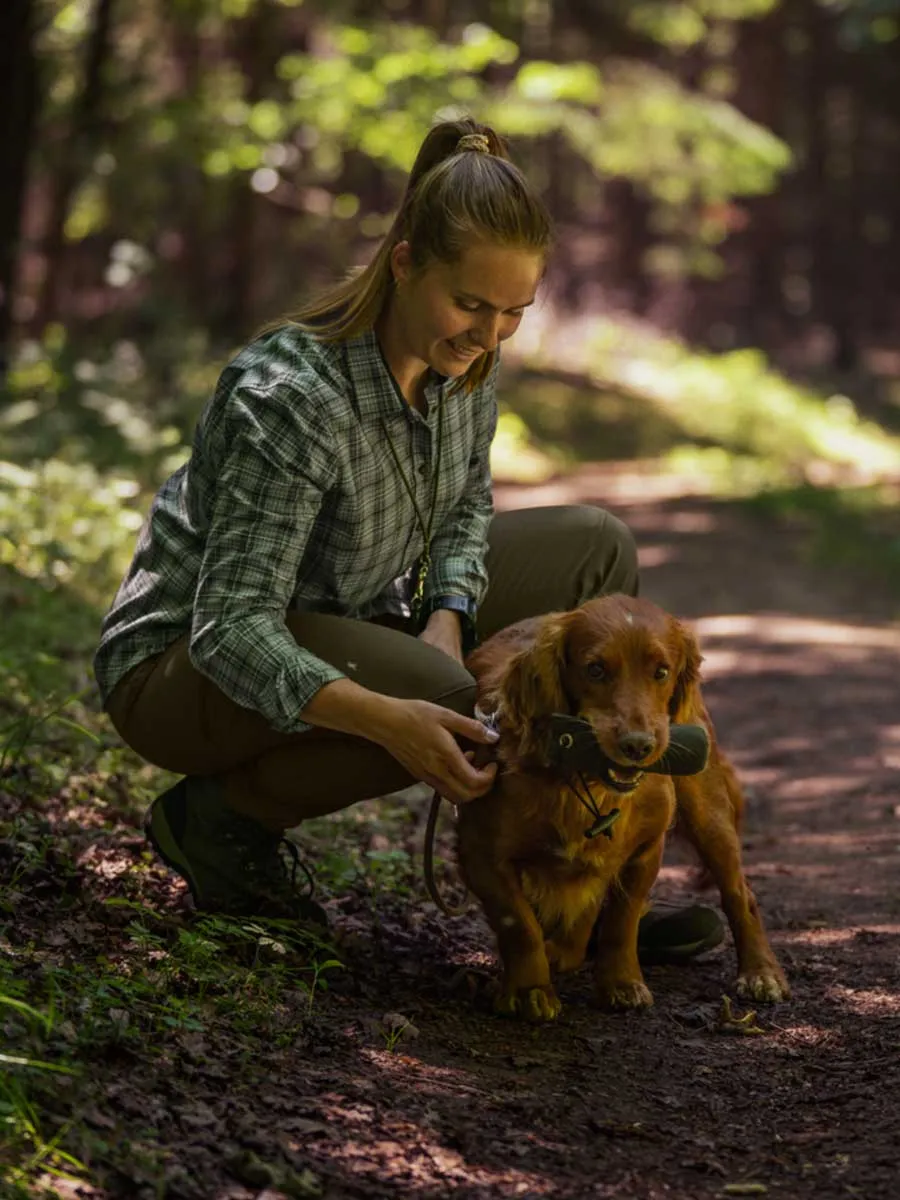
(562, 874)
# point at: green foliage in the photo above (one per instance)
(64, 522)
(161, 982)
(308, 128)
(688, 151)
(26, 725)
(855, 528)
(22, 1134)
(680, 25)
(735, 401)
(382, 871)
(381, 87)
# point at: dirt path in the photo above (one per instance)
(801, 675)
(801, 670)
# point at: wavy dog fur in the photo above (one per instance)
(631, 670)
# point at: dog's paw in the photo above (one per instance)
(528, 1004)
(623, 993)
(765, 985)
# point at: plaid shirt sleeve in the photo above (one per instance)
(459, 546)
(263, 511)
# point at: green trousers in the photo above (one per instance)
(539, 560)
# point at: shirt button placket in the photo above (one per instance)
(424, 439)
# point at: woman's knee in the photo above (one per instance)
(614, 554)
(384, 659)
(545, 559)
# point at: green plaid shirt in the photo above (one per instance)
(291, 499)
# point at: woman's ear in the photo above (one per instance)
(685, 703)
(401, 262)
(533, 683)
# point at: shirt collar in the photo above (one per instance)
(371, 381)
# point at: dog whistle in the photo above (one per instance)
(604, 824)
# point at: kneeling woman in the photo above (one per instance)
(290, 634)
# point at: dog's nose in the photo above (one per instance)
(636, 745)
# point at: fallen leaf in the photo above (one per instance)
(623, 1129)
(250, 1169)
(522, 1061)
(300, 1184)
(729, 1022)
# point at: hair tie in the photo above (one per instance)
(474, 141)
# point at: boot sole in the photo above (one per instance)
(161, 838)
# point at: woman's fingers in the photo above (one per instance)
(426, 745)
(470, 781)
(468, 727)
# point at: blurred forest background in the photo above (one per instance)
(724, 175)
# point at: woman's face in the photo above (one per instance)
(450, 313)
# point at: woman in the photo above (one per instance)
(291, 631)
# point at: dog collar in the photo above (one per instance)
(490, 721)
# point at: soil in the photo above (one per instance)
(801, 668)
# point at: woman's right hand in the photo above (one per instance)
(422, 737)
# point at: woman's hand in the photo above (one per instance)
(420, 735)
(443, 630)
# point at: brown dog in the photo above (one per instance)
(631, 670)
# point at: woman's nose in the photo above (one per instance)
(486, 334)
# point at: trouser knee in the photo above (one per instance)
(614, 554)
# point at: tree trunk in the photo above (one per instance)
(18, 109)
(256, 51)
(75, 159)
(764, 72)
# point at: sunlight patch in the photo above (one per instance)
(868, 1002)
(830, 936)
(782, 629)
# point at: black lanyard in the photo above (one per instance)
(423, 566)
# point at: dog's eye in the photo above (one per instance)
(661, 673)
(597, 670)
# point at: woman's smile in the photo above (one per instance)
(466, 353)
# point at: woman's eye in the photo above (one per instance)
(596, 670)
(661, 673)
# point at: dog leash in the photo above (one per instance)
(450, 910)
(489, 721)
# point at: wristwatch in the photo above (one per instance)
(465, 606)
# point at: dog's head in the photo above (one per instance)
(624, 665)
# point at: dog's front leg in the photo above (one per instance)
(707, 814)
(619, 981)
(525, 989)
(567, 949)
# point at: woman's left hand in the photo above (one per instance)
(443, 630)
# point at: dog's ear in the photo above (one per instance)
(685, 703)
(532, 685)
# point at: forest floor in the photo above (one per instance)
(206, 1062)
